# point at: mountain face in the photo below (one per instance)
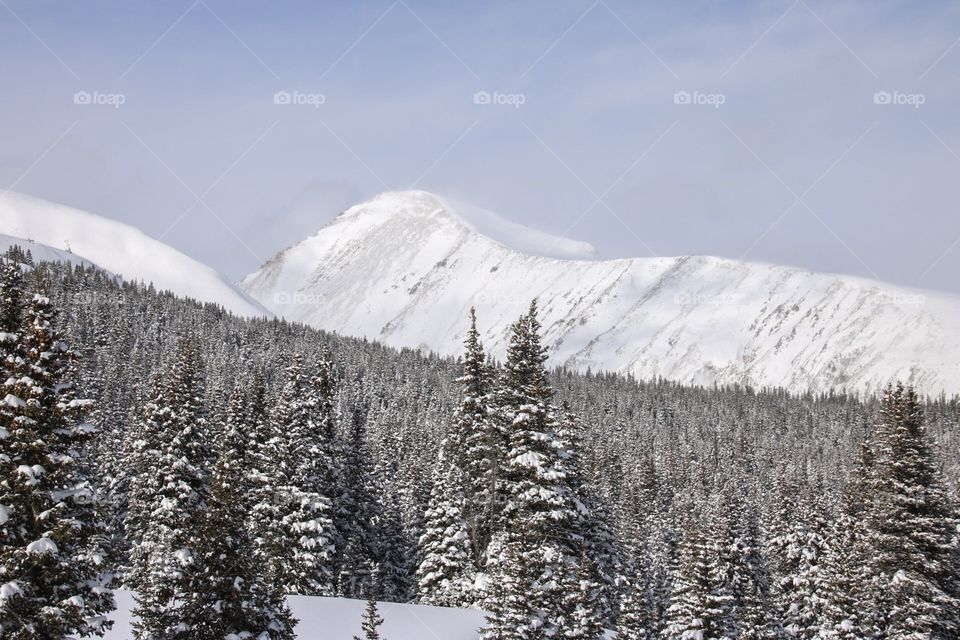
(56, 232)
(404, 268)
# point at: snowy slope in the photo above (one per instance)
(120, 249)
(404, 268)
(339, 619)
(41, 252)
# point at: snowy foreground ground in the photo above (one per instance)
(339, 619)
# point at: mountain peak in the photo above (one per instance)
(405, 267)
(413, 202)
(423, 205)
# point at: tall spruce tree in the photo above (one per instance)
(356, 512)
(445, 575)
(302, 550)
(52, 582)
(801, 590)
(693, 611)
(477, 446)
(541, 510)
(228, 595)
(913, 584)
(168, 491)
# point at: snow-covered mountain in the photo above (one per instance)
(405, 267)
(56, 232)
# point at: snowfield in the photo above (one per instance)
(56, 232)
(339, 619)
(404, 268)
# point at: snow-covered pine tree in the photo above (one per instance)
(393, 569)
(510, 615)
(325, 415)
(371, 622)
(302, 551)
(477, 446)
(692, 613)
(801, 591)
(167, 492)
(845, 554)
(52, 582)
(264, 458)
(445, 575)
(635, 620)
(914, 586)
(356, 511)
(541, 512)
(583, 600)
(228, 596)
(11, 300)
(741, 591)
(590, 531)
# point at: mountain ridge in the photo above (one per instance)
(117, 248)
(404, 268)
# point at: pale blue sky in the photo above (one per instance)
(797, 166)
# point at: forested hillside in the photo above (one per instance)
(214, 448)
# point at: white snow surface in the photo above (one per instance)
(405, 267)
(340, 619)
(57, 232)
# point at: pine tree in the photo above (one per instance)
(914, 586)
(227, 594)
(371, 622)
(583, 600)
(445, 574)
(846, 555)
(540, 513)
(741, 591)
(11, 300)
(636, 620)
(355, 513)
(297, 539)
(801, 592)
(477, 446)
(589, 532)
(510, 614)
(393, 569)
(692, 613)
(168, 491)
(52, 582)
